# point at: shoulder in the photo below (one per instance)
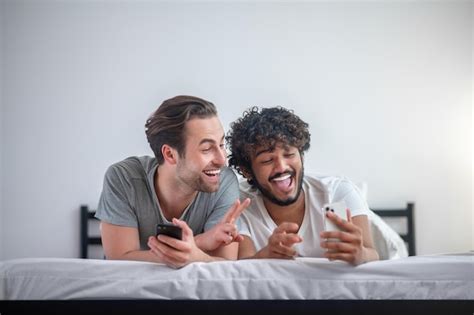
(227, 174)
(256, 207)
(247, 190)
(341, 188)
(227, 179)
(131, 167)
(329, 183)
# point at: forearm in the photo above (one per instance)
(137, 255)
(225, 252)
(246, 249)
(207, 243)
(369, 254)
(251, 253)
(149, 256)
(200, 241)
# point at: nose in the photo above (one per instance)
(280, 165)
(220, 157)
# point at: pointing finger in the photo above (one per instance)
(235, 211)
(238, 211)
(228, 215)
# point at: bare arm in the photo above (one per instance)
(228, 252)
(246, 248)
(122, 243)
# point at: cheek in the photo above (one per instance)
(297, 165)
(262, 174)
(206, 160)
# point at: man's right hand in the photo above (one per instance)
(280, 243)
(224, 232)
(177, 253)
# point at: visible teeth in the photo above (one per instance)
(213, 172)
(282, 177)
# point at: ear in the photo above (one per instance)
(169, 154)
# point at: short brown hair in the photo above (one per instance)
(166, 124)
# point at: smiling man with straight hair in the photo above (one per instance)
(186, 184)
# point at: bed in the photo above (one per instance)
(437, 282)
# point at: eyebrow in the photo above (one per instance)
(269, 150)
(209, 140)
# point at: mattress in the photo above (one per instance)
(436, 277)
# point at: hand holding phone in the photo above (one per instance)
(338, 208)
(169, 230)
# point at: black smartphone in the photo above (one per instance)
(169, 229)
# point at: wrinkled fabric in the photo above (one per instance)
(417, 277)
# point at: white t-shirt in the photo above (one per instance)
(318, 190)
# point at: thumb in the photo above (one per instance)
(187, 232)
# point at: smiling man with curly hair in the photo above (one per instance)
(285, 217)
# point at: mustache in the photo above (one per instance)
(291, 173)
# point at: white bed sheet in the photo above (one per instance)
(420, 277)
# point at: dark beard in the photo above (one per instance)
(276, 201)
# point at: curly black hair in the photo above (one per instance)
(264, 127)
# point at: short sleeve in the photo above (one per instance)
(346, 191)
(244, 227)
(114, 204)
(228, 193)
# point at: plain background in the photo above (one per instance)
(386, 88)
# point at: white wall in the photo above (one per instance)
(386, 88)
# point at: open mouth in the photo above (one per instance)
(283, 182)
(212, 173)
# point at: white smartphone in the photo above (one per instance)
(339, 208)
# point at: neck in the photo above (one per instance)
(290, 213)
(173, 197)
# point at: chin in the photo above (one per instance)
(209, 188)
(286, 202)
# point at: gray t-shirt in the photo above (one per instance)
(128, 199)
